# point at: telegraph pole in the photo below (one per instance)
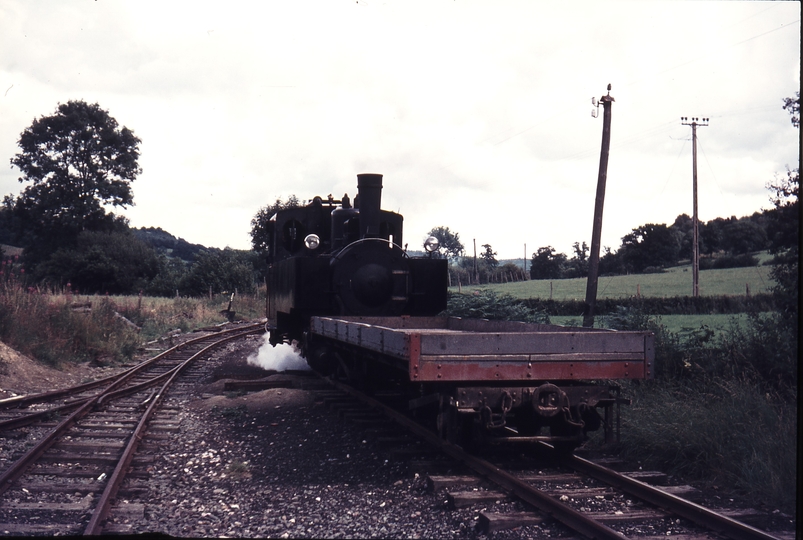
(596, 235)
(695, 257)
(476, 272)
(525, 261)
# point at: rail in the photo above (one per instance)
(119, 386)
(563, 513)
(672, 503)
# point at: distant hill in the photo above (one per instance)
(164, 242)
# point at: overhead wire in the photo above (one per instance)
(713, 174)
(671, 172)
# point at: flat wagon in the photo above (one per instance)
(493, 379)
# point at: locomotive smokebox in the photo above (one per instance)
(369, 187)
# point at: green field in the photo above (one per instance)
(674, 323)
(675, 281)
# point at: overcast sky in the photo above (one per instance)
(477, 113)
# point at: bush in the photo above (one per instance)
(728, 261)
(116, 263)
(486, 304)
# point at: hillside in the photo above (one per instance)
(164, 242)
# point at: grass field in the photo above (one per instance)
(675, 281)
(674, 323)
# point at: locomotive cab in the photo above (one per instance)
(332, 258)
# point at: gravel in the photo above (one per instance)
(292, 470)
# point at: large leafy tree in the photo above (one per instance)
(741, 236)
(546, 263)
(77, 162)
(650, 245)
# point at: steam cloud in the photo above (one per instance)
(279, 358)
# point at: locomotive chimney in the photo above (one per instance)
(369, 188)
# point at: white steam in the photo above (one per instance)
(279, 358)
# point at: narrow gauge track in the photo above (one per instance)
(95, 443)
(580, 522)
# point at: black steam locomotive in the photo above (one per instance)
(337, 258)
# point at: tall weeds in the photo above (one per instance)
(55, 327)
(722, 408)
(725, 434)
(47, 328)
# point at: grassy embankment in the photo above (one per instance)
(58, 327)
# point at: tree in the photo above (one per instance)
(792, 106)
(611, 262)
(685, 227)
(168, 279)
(741, 236)
(260, 239)
(77, 160)
(784, 238)
(221, 271)
(450, 246)
(650, 246)
(100, 262)
(711, 236)
(547, 264)
(489, 256)
(577, 266)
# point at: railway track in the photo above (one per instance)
(542, 494)
(87, 439)
(46, 501)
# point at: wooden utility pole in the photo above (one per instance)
(596, 234)
(695, 251)
(476, 272)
